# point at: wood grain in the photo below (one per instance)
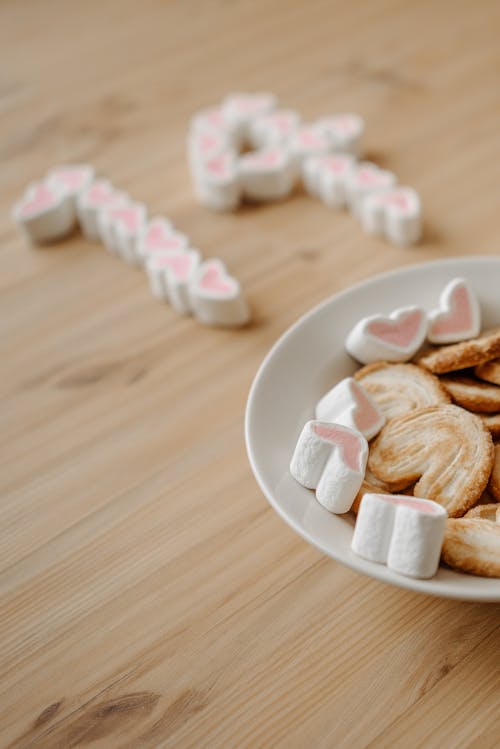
(149, 597)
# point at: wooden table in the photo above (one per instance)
(149, 597)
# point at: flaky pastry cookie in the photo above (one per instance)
(473, 546)
(472, 394)
(494, 485)
(399, 388)
(491, 422)
(489, 371)
(445, 449)
(370, 485)
(485, 512)
(462, 355)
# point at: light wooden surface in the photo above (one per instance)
(149, 597)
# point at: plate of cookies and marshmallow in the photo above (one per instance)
(373, 427)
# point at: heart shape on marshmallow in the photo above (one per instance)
(459, 315)
(396, 337)
(395, 213)
(221, 167)
(273, 158)
(72, 178)
(128, 218)
(37, 200)
(349, 404)
(101, 192)
(179, 263)
(405, 533)
(331, 459)
(214, 280)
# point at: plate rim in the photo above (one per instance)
(413, 584)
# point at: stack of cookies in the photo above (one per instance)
(431, 425)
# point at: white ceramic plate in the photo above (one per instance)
(309, 359)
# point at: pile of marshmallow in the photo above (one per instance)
(403, 532)
(71, 195)
(323, 154)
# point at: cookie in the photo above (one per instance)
(473, 546)
(445, 449)
(491, 422)
(462, 355)
(472, 394)
(485, 512)
(489, 371)
(494, 485)
(400, 388)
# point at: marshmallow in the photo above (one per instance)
(90, 201)
(459, 315)
(307, 141)
(170, 274)
(124, 224)
(333, 173)
(157, 236)
(397, 214)
(273, 129)
(71, 179)
(267, 174)
(309, 171)
(204, 146)
(45, 213)
(216, 298)
(217, 183)
(394, 338)
(367, 179)
(405, 533)
(239, 110)
(331, 459)
(344, 132)
(349, 404)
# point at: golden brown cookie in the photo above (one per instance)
(492, 422)
(399, 388)
(494, 485)
(473, 546)
(367, 488)
(462, 355)
(489, 371)
(485, 512)
(445, 449)
(472, 394)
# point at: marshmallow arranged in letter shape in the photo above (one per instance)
(216, 297)
(393, 338)
(331, 459)
(396, 214)
(349, 404)
(459, 315)
(45, 213)
(405, 533)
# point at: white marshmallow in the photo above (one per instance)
(206, 145)
(396, 337)
(210, 119)
(344, 132)
(405, 533)
(217, 183)
(91, 200)
(273, 129)
(367, 179)
(170, 274)
(396, 214)
(308, 141)
(45, 213)
(331, 459)
(349, 404)
(126, 222)
(267, 174)
(239, 110)
(159, 236)
(458, 317)
(71, 179)
(216, 298)
(332, 179)
(309, 170)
